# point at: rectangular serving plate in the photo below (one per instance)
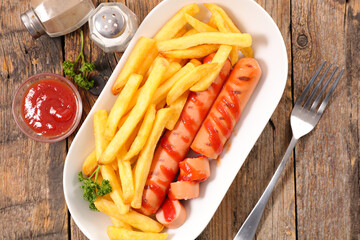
(270, 51)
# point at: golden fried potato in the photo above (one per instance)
(121, 105)
(133, 218)
(116, 233)
(126, 177)
(120, 224)
(116, 195)
(143, 134)
(177, 22)
(220, 57)
(136, 114)
(193, 52)
(198, 25)
(237, 39)
(100, 119)
(178, 106)
(191, 32)
(137, 56)
(163, 90)
(90, 164)
(189, 80)
(143, 163)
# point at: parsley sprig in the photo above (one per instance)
(92, 189)
(80, 78)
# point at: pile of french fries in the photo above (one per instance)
(153, 87)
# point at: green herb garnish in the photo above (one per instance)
(80, 78)
(92, 189)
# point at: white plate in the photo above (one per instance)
(269, 50)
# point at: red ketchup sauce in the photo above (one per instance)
(49, 107)
(169, 210)
(189, 173)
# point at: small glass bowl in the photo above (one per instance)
(17, 108)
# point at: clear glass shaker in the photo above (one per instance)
(56, 18)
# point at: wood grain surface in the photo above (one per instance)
(317, 197)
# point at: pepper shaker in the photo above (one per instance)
(112, 26)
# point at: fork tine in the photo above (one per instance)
(303, 94)
(312, 95)
(317, 100)
(327, 98)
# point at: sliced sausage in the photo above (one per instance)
(183, 190)
(172, 214)
(194, 169)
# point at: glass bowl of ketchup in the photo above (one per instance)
(47, 107)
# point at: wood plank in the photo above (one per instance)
(278, 221)
(352, 64)
(327, 159)
(31, 196)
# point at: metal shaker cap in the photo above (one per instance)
(112, 26)
(32, 23)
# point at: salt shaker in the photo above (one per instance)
(56, 18)
(112, 26)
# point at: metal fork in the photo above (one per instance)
(304, 116)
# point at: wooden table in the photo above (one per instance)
(316, 198)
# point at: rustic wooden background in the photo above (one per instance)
(318, 197)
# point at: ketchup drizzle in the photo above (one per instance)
(213, 137)
(169, 210)
(170, 149)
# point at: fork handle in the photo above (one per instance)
(248, 229)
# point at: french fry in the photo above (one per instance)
(178, 106)
(221, 25)
(191, 32)
(123, 119)
(177, 22)
(198, 25)
(237, 39)
(193, 52)
(115, 166)
(158, 58)
(211, 22)
(116, 233)
(100, 118)
(213, 7)
(160, 105)
(143, 163)
(126, 177)
(247, 52)
(173, 68)
(116, 195)
(143, 134)
(195, 62)
(181, 32)
(135, 60)
(121, 105)
(189, 80)
(163, 90)
(144, 67)
(219, 21)
(133, 218)
(136, 114)
(220, 58)
(90, 164)
(120, 224)
(234, 55)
